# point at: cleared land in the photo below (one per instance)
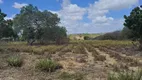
(80, 60)
(72, 36)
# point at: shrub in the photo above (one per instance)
(87, 38)
(15, 61)
(126, 76)
(75, 76)
(48, 65)
(116, 35)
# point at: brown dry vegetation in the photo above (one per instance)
(80, 60)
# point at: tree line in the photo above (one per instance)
(132, 28)
(33, 25)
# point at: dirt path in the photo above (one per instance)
(109, 60)
(90, 57)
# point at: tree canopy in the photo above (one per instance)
(36, 25)
(6, 30)
(134, 23)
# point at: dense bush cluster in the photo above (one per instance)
(110, 36)
(125, 34)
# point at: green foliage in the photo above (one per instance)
(126, 75)
(86, 37)
(15, 61)
(116, 35)
(134, 20)
(2, 15)
(67, 76)
(36, 25)
(48, 65)
(6, 29)
(126, 33)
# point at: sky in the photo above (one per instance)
(79, 16)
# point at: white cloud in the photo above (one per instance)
(73, 16)
(114, 4)
(11, 17)
(81, 27)
(97, 11)
(19, 5)
(102, 19)
(1, 1)
(71, 11)
(66, 3)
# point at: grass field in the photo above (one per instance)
(78, 60)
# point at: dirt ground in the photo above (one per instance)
(76, 65)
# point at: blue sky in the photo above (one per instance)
(79, 16)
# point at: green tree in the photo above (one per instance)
(35, 25)
(134, 23)
(2, 15)
(6, 29)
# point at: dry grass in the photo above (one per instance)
(73, 58)
(79, 49)
(126, 75)
(68, 76)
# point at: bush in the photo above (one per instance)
(116, 35)
(87, 38)
(15, 61)
(126, 33)
(75, 76)
(126, 76)
(48, 65)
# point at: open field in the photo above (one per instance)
(71, 36)
(80, 60)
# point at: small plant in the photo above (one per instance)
(126, 75)
(15, 61)
(68, 76)
(48, 65)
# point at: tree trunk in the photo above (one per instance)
(30, 42)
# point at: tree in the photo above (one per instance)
(2, 15)
(6, 29)
(35, 25)
(134, 23)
